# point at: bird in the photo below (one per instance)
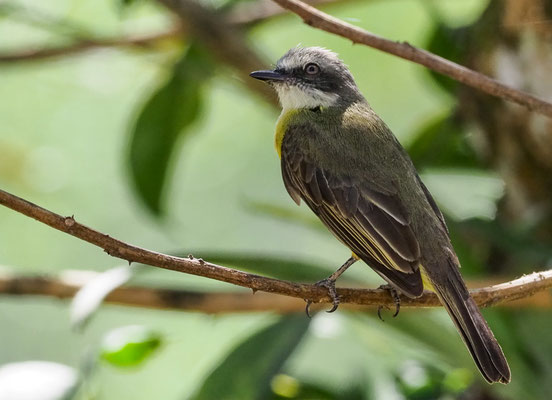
(340, 158)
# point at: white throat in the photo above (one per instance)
(294, 97)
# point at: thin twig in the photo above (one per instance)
(240, 15)
(513, 290)
(80, 46)
(247, 13)
(232, 50)
(318, 19)
(65, 287)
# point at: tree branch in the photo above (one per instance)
(318, 19)
(218, 32)
(246, 14)
(218, 303)
(514, 290)
(88, 44)
(240, 15)
(65, 287)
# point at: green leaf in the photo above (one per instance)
(449, 43)
(129, 346)
(442, 143)
(164, 119)
(249, 369)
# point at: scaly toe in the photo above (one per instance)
(330, 285)
(396, 298)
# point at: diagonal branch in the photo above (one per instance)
(247, 13)
(318, 19)
(226, 42)
(520, 288)
(218, 31)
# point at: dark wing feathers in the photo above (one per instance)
(387, 202)
(327, 194)
(398, 235)
(290, 185)
(371, 223)
(314, 190)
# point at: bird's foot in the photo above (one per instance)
(330, 285)
(395, 295)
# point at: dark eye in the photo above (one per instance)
(312, 69)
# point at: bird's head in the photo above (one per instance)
(311, 77)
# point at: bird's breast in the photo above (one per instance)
(282, 126)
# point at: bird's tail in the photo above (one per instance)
(473, 328)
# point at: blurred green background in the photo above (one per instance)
(76, 137)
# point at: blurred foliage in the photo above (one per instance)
(90, 296)
(450, 43)
(517, 242)
(247, 371)
(167, 115)
(129, 346)
(200, 154)
(442, 143)
(126, 3)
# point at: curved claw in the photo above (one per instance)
(397, 307)
(396, 299)
(330, 285)
(335, 305)
(379, 312)
(307, 308)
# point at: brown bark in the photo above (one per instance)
(514, 290)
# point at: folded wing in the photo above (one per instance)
(370, 222)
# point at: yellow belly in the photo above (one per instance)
(426, 281)
(281, 128)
